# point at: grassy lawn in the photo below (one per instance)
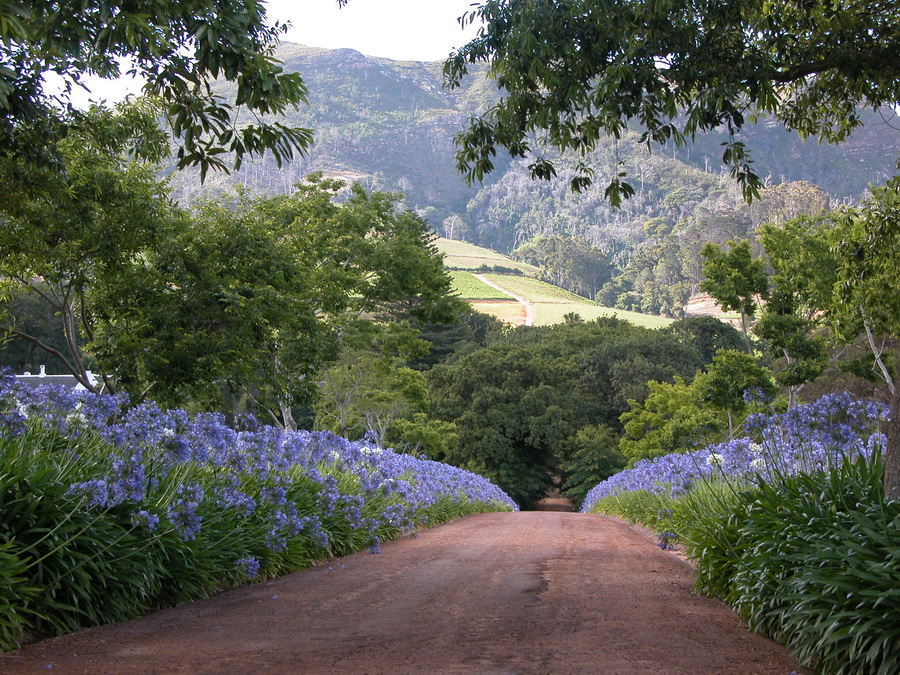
(468, 287)
(463, 255)
(534, 290)
(547, 314)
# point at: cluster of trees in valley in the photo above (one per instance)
(538, 404)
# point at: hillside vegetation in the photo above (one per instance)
(390, 124)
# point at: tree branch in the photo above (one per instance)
(80, 376)
(802, 70)
(876, 352)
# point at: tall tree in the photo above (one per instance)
(867, 301)
(179, 48)
(803, 274)
(62, 230)
(727, 382)
(574, 71)
(736, 280)
(786, 201)
(513, 407)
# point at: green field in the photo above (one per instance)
(465, 256)
(550, 302)
(547, 314)
(534, 290)
(468, 287)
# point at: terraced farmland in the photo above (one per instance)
(516, 298)
(461, 255)
(469, 287)
(534, 290)
(552, 303)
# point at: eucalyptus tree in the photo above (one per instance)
(569, 262)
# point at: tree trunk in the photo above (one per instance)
(287, 415)
(892, 449)
(745, 331)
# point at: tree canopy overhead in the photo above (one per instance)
(574, 71)
(180, 48)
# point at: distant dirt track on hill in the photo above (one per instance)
(531, 592)
(528, 306)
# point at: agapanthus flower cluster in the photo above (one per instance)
(147, 445)
(182, 514)
(145, 519)
(807, 438)
(12, 417)
(248, 567)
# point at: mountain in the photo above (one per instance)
(390, 125)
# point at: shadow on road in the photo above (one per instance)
(554, 501)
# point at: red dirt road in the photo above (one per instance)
(530, 592)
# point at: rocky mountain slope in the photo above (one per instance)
(390, 125)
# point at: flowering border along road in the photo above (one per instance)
(110, 511)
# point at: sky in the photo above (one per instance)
(404, 30)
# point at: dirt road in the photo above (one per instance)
(527, 306)
(531, 592)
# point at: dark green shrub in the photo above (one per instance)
(813, 561)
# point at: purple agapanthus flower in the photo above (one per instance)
(247, 566)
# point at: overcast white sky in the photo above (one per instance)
(408, 30)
